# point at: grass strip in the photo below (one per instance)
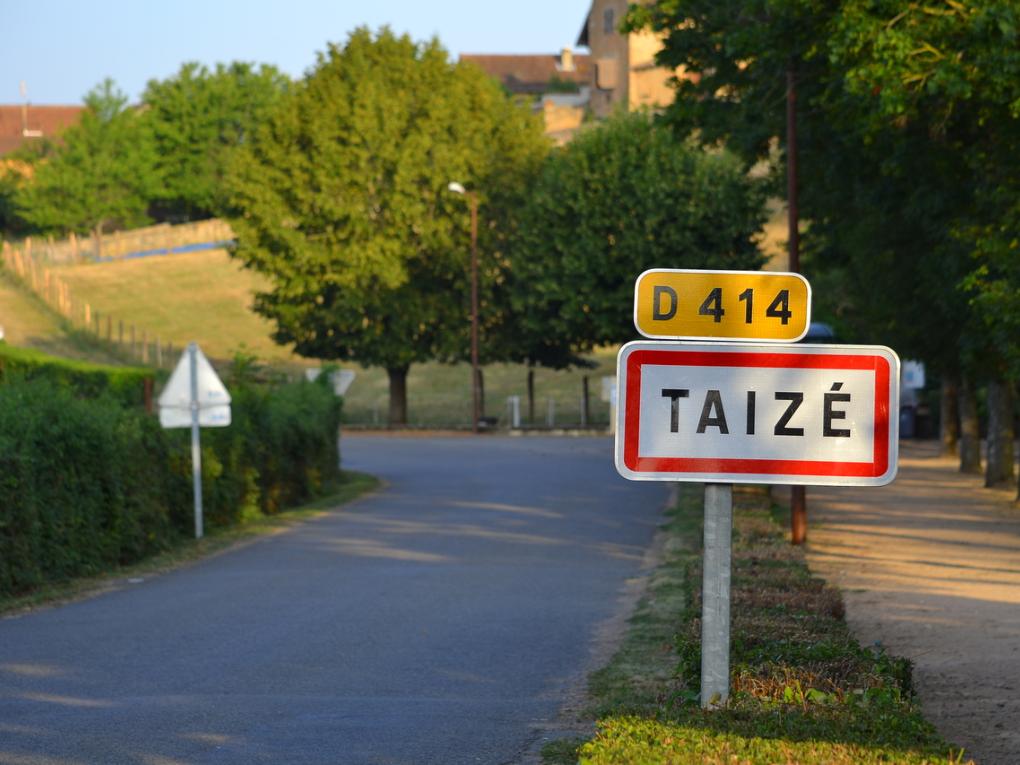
(803, 691)
(217, 540)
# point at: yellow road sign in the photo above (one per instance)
(679, 304)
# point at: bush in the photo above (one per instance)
(280, 450)
(87, 485)
(83, 485)
(126, 384)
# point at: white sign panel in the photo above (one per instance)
(742, 413)
(208, 417)
(213, 399)
(341, 379)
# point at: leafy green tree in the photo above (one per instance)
(875, 192)
(907, 117)
(623, 197)
(100, 176)
(197, 117)
(341, 200)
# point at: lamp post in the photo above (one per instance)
(472, 199)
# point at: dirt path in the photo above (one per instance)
(930, 567)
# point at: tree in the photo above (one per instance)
(101, 175)
(908, 117)
(341, 200)
(197, 117)
(623, 197)
(953, 70)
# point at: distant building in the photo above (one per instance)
(555, 85)
(535, 75)
(623, 70)
(24, 123)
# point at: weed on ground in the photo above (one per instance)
(803, 691)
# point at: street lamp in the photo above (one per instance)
(472, 199)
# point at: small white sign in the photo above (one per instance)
(340, 378)
(213, 399)
(208, 417)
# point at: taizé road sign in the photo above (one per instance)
(743, 413)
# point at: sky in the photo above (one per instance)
(63, 48)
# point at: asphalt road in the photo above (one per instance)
(436, 621)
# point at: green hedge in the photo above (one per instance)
(89, 484)
(126, 384)
(280, 450)
(83, 485)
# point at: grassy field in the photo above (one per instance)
(803, 692)
(206, 297)
(200, 296)
(29, 323)
(440, 394)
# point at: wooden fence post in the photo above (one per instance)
(147, 394)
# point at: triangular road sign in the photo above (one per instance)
(213, 398)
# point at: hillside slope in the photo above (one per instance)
(200, 296)
(27, 322)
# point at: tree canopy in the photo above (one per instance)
(623, 197)
(909, 116)
(907, 120)
(197, 117)
(100, 174)
(341, 199)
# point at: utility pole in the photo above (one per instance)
(798, 494)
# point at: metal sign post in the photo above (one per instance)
(715, 595)
(195, 397)
(196, 446)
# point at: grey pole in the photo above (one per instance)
(196, 449)
(715, 596)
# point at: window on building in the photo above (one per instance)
(609, 21)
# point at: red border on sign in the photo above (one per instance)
(778, 360)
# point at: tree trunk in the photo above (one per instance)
(531, 396)
(999, 465)
(970, 432)
(481, 393)
(398, 395)
(949, 416)
(585, 402)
